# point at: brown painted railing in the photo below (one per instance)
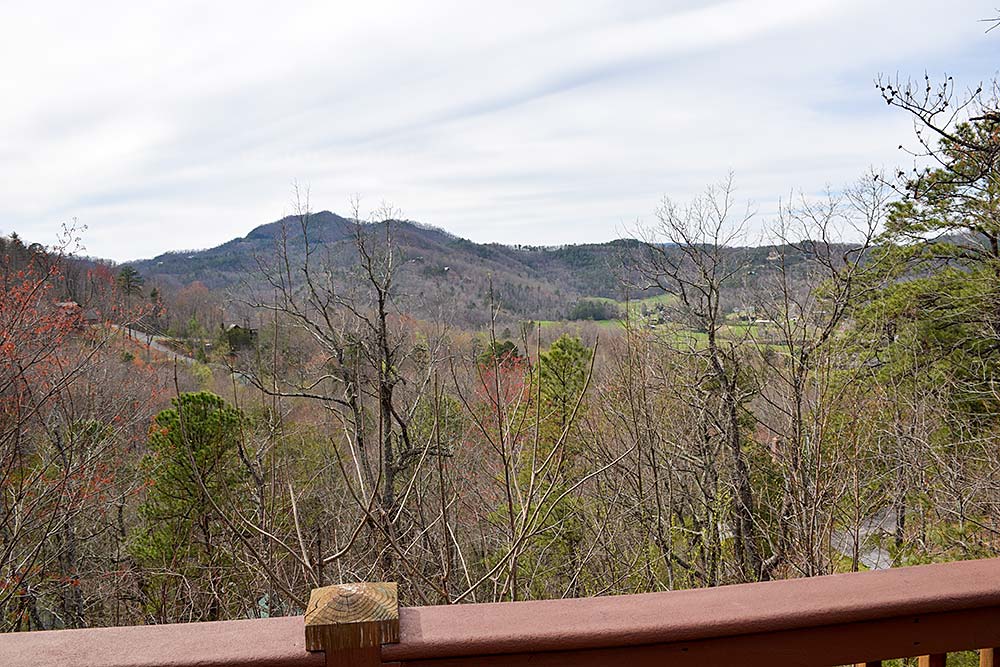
(836, 620)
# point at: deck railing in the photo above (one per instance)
(843, 619)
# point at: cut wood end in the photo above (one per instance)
(352, 616)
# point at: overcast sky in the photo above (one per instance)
(180, 125)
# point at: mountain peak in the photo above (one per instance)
(325, 226)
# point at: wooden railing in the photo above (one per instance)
(845, 619)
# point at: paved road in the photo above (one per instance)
(870, 554)
(155, 343)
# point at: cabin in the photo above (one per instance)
(73, 310)
(240, 337)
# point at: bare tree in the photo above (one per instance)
(802, 298)
(692, 253)
(367, 370)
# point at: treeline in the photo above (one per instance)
(352, 441)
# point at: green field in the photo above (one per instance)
(652, 312)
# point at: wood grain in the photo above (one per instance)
(351, 621)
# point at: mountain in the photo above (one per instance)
(435, 266)
(439, 272)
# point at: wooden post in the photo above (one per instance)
(350, 622)
(936, 660)
(989, 657)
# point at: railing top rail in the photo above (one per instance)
(267, 642)
(652, 618)
(428, 633)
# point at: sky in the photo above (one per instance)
(181, 125)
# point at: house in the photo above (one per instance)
(73, 310)
(240, 337)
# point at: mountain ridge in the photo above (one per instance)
(533, 281)
(437, 270)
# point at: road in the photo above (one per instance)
(870, 554)
(155, 343)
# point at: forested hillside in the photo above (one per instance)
(436, 269)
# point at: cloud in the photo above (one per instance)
(178, 125)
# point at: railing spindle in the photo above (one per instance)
(988, 657)
(935, 660)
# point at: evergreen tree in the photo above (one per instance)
(562, 374)
(940, 263)
(130, 281)
(191, 468)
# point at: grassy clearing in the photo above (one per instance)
(685, 338)
(658, 300)
(652, 312)
(604, 324)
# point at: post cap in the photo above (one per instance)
(352, 616)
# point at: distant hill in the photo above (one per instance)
(438, 272)
(435, 266)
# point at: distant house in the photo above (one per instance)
(240, 337)
(73, 310)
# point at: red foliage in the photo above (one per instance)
(503, 382)
(69, 410)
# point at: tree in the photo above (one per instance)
(69, 413)
(932, 330)
(130, 281)
(942, 238)
(502, 352)
(823, 268)
(193, 450)
(130, 284)
(562, 374)
(592, 309)
(368, 371)
(691, 254)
